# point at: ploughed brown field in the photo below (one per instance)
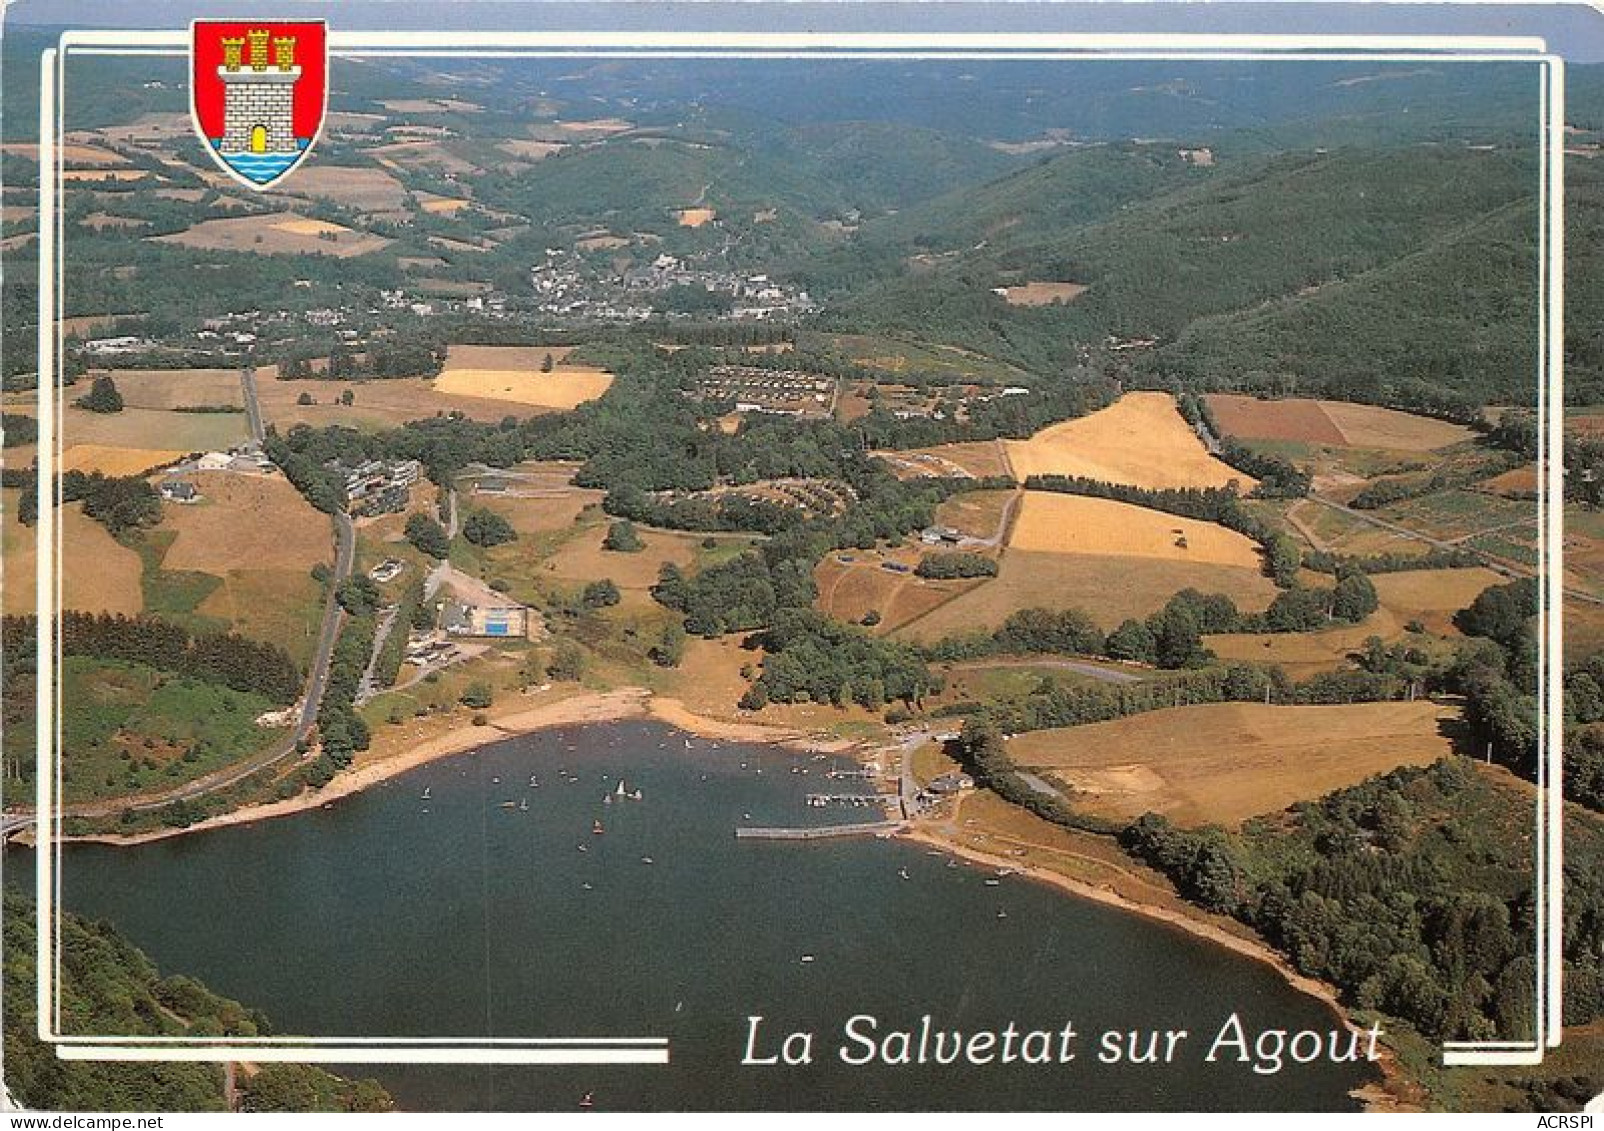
(1222, 763)
(1331, 422)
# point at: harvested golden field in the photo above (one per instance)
(1225, 762)
(1041, 294)
(280, 233)
(73, 153)
(1432, 596)
(582, 560)
(1141, 439)
(377, 404)
(277, 606)
(978, 458)
(1366, 426)
(1109, 588)
(87, 325)
(98, 575)
(442, 204)
(512, 373)
(178, 388)
(115, 461)
(150, 428)
(245, 522)
(695, 217)
(1079, 524)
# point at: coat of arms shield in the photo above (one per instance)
(258, 92)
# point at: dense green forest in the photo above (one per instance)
(107, 985)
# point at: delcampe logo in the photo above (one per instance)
(258, 92)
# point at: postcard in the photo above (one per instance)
(802, 558)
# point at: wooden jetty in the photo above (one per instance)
(820, 832)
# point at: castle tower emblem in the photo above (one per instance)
(258, 92)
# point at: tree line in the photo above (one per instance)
(216, 657)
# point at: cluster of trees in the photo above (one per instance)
(1497, 672)
(110, 986)
(1221, 505)
(218, 657)
(1279, 478)
(1411, 892)
(1171, 637)
(400, 355)
(739, 595)
(18, 429)
(601, 594)
(944, 565)
(341, 730)
(811, 657)
(119, 503)
(1322, 561)
(358, 595)
(428, 536)
(706, 512)
(102, 396)
(482, 527)
(622, 538)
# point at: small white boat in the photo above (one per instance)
(495, 781)
(523, 806)
(636, 796)
(903, 872)
(1002, 914)
(426, 792)
(687, 744)
(620, 791)
(587, 887)
(807, 958)
(992, 883)
(509, 805)
(582, 848)
(647, 860)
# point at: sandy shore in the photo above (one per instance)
(1376, 1097)
(585, 707)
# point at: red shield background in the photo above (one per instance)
(206, 56)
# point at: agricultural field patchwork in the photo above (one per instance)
(279, 233)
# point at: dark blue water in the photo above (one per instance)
(391, 915)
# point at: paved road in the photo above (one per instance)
(365, 690)
(253, 407)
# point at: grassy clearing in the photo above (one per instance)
(129, 728)
(513, 373)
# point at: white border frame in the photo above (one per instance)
(1047, 47)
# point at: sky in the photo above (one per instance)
(1574, 30)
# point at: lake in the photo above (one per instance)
(392, 913)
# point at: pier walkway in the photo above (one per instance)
(820, 832)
